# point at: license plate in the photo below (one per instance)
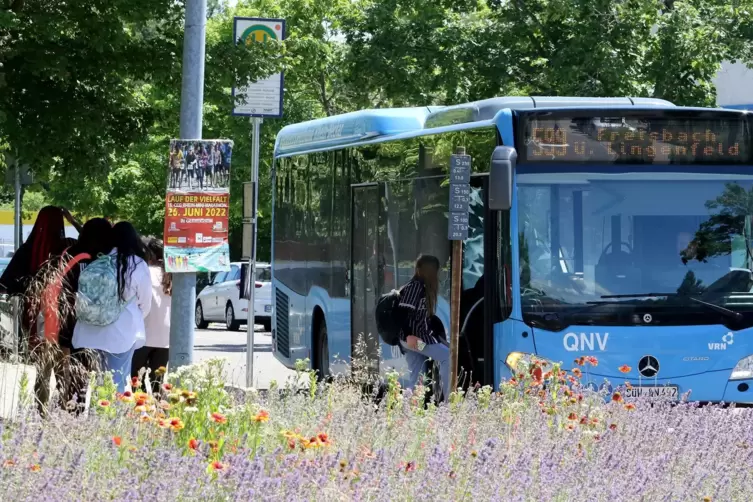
(267, 308)
(669, 392)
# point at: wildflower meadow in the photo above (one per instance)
(543, 436)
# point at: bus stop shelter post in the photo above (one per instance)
(251, 280)
(191, 103)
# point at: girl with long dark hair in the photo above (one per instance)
(115, 342)
(420, 336)
(155, 354)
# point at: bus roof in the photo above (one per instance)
(350, 128)
(487, 109)
(356, 127)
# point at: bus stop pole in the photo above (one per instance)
(457, 268)
(251, 281)
(182, 320)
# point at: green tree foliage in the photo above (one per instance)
(90, 89)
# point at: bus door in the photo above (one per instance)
(366, 275)
(481, 271)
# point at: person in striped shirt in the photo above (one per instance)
(420, 337)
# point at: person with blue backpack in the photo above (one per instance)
(114, 296)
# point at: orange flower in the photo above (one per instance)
(612, 427)
(103, 403)
(572, 416)
(165, 405)
(218, 418)
(577, 372)
(140, 408)
(592, 360)
(217, 466)
(570, 427)
(291, 444)
(625, 368)
(176, 424)
(261, 416)
(117, 440)
(581, 361)
(9, 463)
(410, 466)
(167, 386)
(135, 382)
(584, 421)
(163, 424)
(630, 406)
(547, 375)
(35, 468)
(537, 373)
(323, 438)
(193, 443)
(126, 397)
(617, 397)
(594, 421)
(145, 418)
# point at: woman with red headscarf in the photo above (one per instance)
(46, 240)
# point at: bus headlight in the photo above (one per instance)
(743, 369)
(515, 359)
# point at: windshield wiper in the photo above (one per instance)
(737, 316)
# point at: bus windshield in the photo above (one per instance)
(635, 248)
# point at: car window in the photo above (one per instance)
(220, 277)
(234, 274)
(264, 274)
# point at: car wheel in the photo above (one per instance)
(201, 323)
(231, 322)
(322, 363)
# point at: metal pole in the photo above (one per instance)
(457, 268)
(18, 229)
(250, 328)
(191, 103)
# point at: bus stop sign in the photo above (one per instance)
(460, 197)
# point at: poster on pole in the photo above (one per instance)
(263, 98)
(197, 206)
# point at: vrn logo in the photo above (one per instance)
(727, 339)
(578, 342)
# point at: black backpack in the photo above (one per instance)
(387, 318)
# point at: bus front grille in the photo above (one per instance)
(283, 323)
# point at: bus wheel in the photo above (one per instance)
(322, 352)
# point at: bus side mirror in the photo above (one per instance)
(500, 178)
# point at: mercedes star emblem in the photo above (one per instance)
(648, 366)
(647, 318)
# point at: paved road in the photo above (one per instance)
(216, 342)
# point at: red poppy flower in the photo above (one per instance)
(167, 386)
(592, 360)
(625, 368)
(117, 440)
(617, 397)
(217, 466)
(193, 443)
(135, 383)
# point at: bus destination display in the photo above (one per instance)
(635, 140)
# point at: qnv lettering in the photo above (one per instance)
(580, 342)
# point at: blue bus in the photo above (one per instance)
(618, 228)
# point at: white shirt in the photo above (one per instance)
(128, 330)
(158, 320)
